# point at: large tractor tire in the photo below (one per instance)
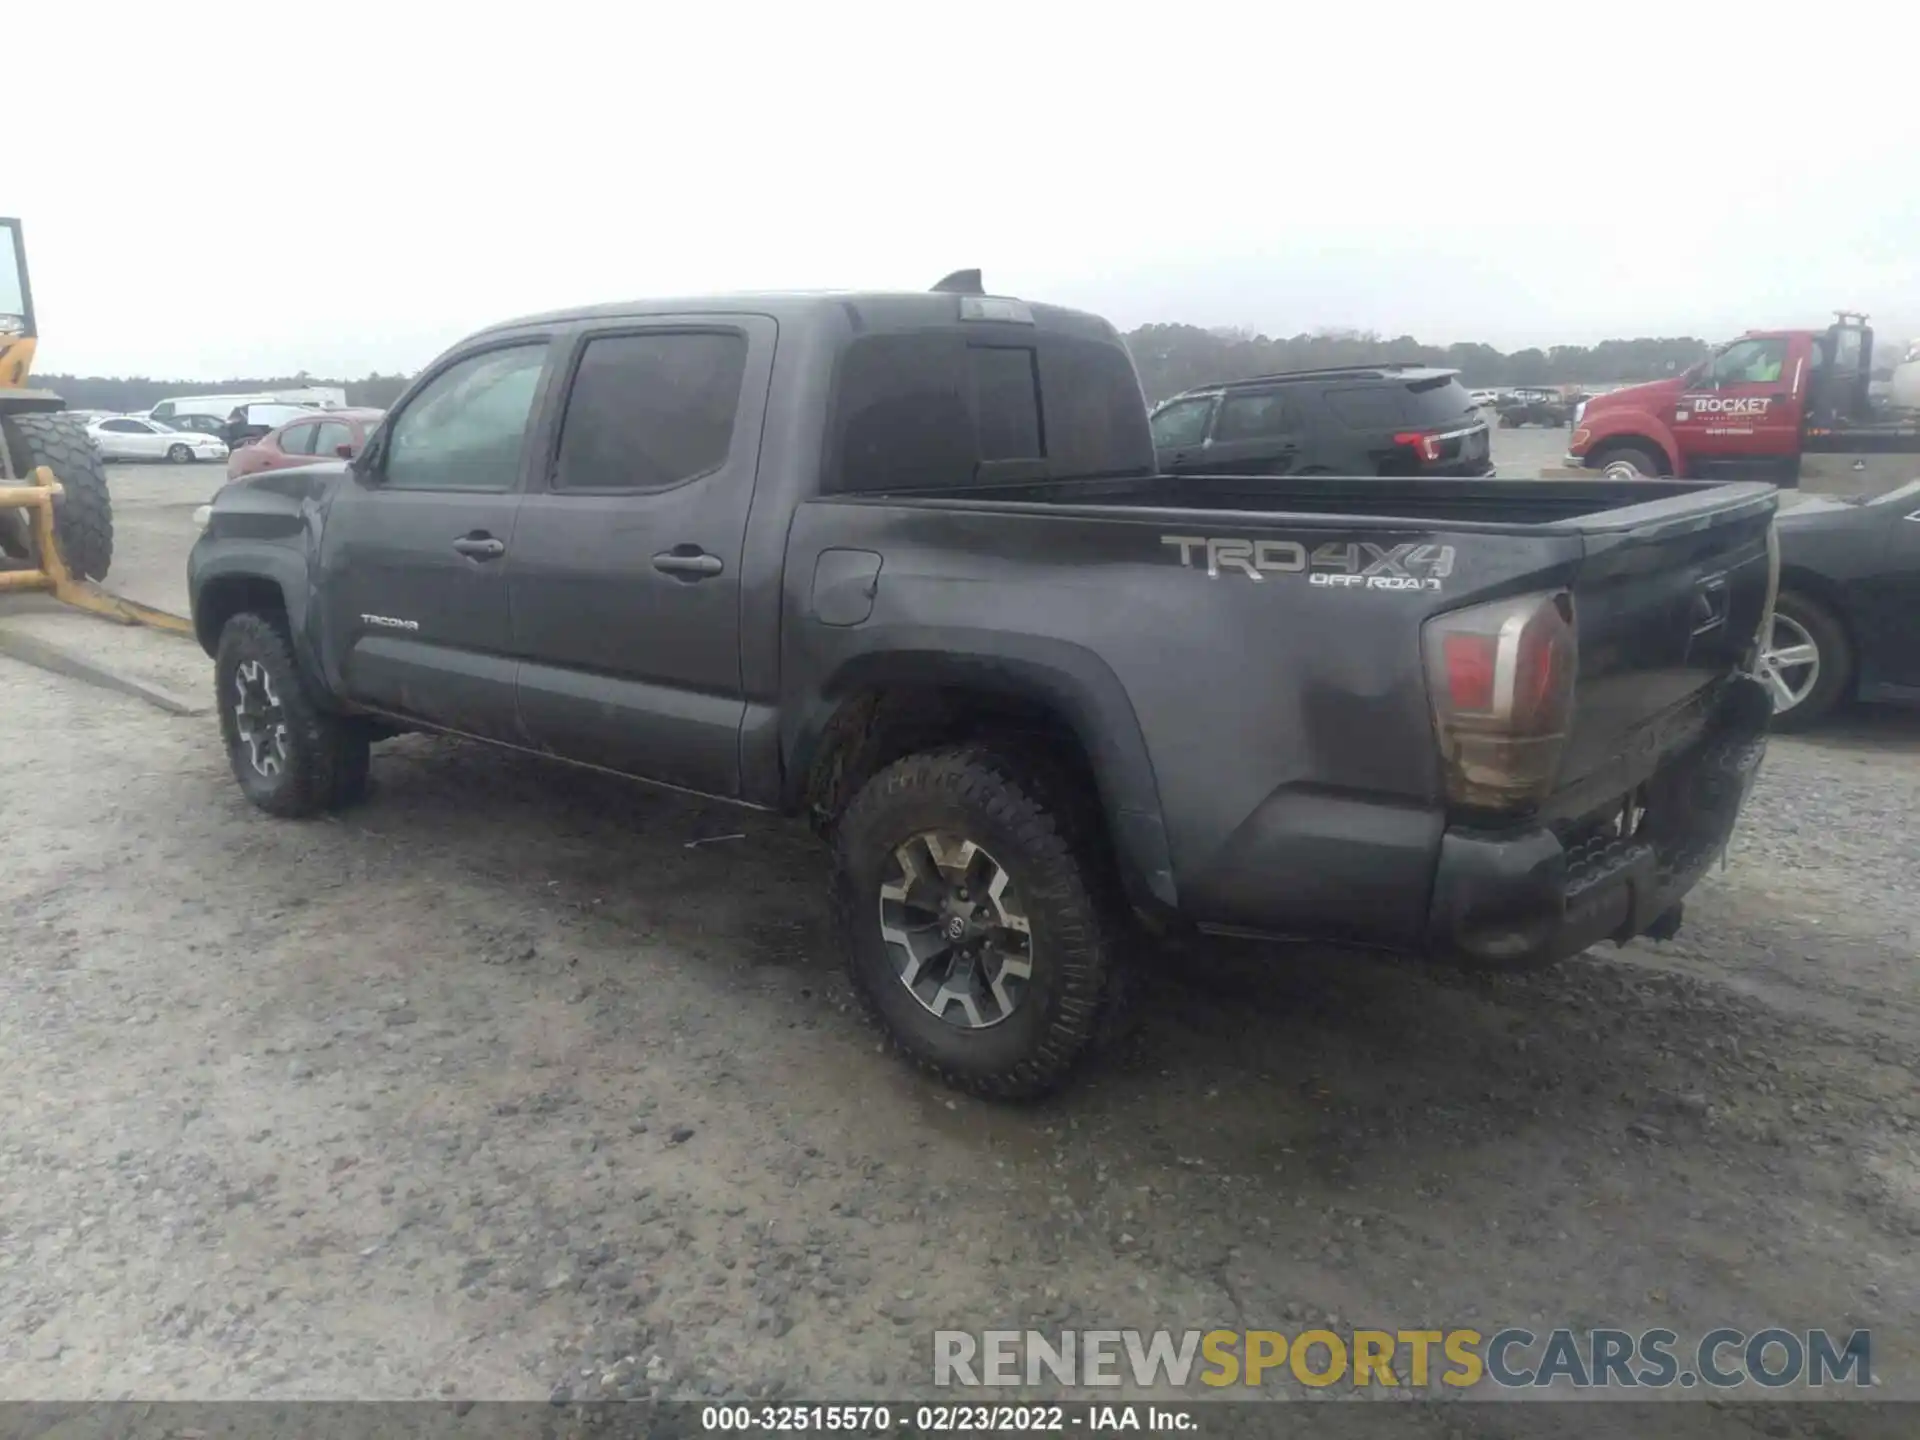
(83, 515)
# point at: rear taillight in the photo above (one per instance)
(1427, 447)
(1501, 679)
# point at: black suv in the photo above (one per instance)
(1357, 420)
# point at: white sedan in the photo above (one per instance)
(127, 437)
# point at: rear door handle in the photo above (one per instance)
(480, 547)
(687, 562)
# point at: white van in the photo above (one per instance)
(220, 405)
(309, 397)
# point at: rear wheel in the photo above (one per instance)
(1620, 459)
(1806, 662)
(291, 758)
(979, 921)
(83, 515)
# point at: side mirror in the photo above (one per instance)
(345, 452)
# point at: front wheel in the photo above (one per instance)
(1806, 662)
(978, 920)
(1629, 462)
(291, 758)
(180, 454)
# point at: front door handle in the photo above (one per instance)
(684, 560)
(480, 547)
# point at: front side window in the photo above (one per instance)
(297, 439)
(647, 412)
(330, 437)
(1749, 362)
(1181, 424)
(467, 428)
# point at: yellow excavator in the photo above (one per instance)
(56, 515)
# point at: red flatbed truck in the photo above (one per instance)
(1774, 405)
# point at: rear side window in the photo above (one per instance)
(927, 409)
(647, 412)
(1437, 402)
(1253, 417)
(1370, 407)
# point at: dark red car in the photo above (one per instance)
(324, 435)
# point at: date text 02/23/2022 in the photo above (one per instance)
(948, 1419)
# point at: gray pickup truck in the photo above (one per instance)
(902, 563)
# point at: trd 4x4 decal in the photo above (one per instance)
(1350, 564)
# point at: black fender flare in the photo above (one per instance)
(239, 565)
(1068, 680)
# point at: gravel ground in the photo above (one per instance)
(515, 1083)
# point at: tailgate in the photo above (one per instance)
(1669, 598)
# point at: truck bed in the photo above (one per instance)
(1498, 506)
(1266, 637)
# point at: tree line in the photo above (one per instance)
(133, 393)
(1170, 358)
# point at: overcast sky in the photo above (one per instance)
(248, 189)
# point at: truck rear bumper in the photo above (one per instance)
(1527, 898)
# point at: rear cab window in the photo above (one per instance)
(944, 407)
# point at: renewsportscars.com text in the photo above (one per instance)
(1460, 1359)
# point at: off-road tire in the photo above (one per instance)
(326, 762)
(997, 796)
(1646, 462)
(83, 515)
(1835, 681)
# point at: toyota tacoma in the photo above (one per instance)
(903, 564)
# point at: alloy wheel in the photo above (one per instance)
(259, 719)
(957, 930)
(1789, 663)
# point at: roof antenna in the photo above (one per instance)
(960, 282)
